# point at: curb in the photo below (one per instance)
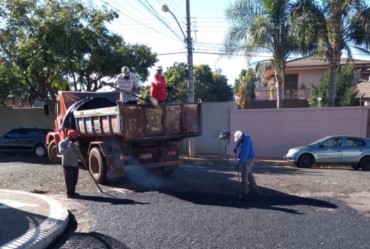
(43, 235)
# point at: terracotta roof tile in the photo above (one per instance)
(316, 61)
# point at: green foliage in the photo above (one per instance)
(238, 81)
(245, 94)
(54, 45)
(346, 91)
(261, 25)
(209, 86)
(328, 29)
(176, 78)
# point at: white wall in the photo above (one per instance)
(215, 118)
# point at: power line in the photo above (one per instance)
(134, 19)
(152, 11)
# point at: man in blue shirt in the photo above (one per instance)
(245, 153)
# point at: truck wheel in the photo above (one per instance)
(39, 150)
(97, 165)
(53, 153)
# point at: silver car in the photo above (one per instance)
(333, 150)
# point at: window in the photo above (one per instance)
(355, 142)
(332, 142)
(291, 82)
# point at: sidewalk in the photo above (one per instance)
(30, 220)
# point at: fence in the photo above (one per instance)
(270, 94)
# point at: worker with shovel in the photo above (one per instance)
(71, 156)
(245, 154)
(127, 82)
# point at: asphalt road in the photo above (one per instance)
(197, 207)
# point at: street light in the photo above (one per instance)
(189, 45)
(166, 9)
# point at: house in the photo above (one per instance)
(363, 88)
(16, 102)
(300, 75)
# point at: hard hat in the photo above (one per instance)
(237, 135)
(73, 134)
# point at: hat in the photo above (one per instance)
(237, 136)
(125, 69)
(159, 68)
(73, 134)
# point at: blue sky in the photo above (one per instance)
(144, 22)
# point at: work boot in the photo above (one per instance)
(73, 195)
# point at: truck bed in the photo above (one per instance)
(140, 122)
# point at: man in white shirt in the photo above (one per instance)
(127, 82)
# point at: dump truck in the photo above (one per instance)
(113, 136)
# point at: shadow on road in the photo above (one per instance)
(273, 201)
(111, 199)
(216, 185)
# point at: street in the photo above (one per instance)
(197, 206)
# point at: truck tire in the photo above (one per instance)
(53, 153)
(97, 165)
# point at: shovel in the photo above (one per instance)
(151, 100)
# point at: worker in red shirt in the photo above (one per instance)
(158, 86)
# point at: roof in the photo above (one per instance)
(317, 61)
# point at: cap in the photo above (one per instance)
(125, 69)
(237, 135)
(73, 134)
(159, 68)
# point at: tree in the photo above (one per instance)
(238, 81)
(209, 86)
(330, 28)
(176, 78)
(346, 91)
(262, 25)
(245, 91)
(48, 44)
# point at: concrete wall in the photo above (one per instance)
(23, 117)
(215, 118)
(274, 131)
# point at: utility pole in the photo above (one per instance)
(189, 45)
(189, 41)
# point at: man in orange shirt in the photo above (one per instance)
(158, 86)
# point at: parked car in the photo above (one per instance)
(350, 150)
(23, 140)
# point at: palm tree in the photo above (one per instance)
(261, 26)
(328, 29)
